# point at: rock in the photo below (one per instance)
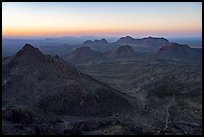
(89, 125)
(44, 129)
(17, 114)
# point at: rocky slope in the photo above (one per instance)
(40, 81)
(180, 52)
(124, 51)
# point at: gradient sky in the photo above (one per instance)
(41, 19)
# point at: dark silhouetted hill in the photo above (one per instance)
(43, 82)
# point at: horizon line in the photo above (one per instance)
(106, 36)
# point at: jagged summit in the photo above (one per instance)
(87, 42)
(95, 42)
(127, 40)
(103, 41)
(31, 57)
(153, 42)
(152, 39)
(29, 50)
(27, 46)
(128, 37)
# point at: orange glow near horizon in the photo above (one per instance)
(52, 32)
(36, 19)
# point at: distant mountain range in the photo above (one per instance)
(146, 42)
(63, 46)
(81, 39)
(149, 44)
(126, 49)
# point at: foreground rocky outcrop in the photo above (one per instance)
(17, 114)
(109, 126)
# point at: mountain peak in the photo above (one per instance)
(29, 52)
(95, 42)
(178, 51)
(125, 51)
(127, 40)
(83, 51)
(104, 40)
(87, 42)
(27, 46)
(128, 37)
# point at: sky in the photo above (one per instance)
(53, 19)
